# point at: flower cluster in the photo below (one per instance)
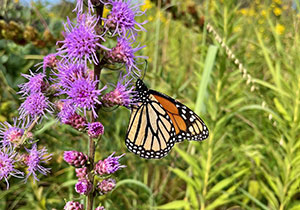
(12, 156)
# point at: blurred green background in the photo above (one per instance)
(251, 106)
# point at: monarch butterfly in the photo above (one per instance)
(158, 121)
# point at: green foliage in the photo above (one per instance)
(251, 159)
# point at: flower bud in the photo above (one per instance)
(73, 205)
(81, 173)
(109, 165)
(75, 158)
(83, 186)
(95, 129)
(106, 186)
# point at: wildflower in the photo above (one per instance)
(122, 95)
(7, 164)
(109, 165)
(67, 73)
(73, 205)
(81, 173)
(49, 60)
(84, 94)
(100, 208)
(76, 159)
(124, 53)
(95, 129)
(79, 6)
(33, 160)
(121, 19)
(35, 84)
(81, 40)
(148, 5)
(11, 133)
(277, 11)
(106, 185)
(35, 105)
(83, 186)
(279, 28)
(67, 110)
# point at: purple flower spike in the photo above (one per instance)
(95, 129)
(100, 208)
(83, 186)
(33, 160)
(124, 53)
(106, 186)
(73, 205)
(79, 6)
(81, 40)
(109, 165)
(84, 94)
(81, 173)
(49, 61)
(7, 167)
(10, 134)
(122, 95)
(67, 73)
(121, 19)
(35, 105)
(35, 84)
(76, 159)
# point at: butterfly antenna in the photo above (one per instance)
(145, 70)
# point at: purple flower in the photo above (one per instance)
(67, 73)
(7, 164)
(79, 6)
(49, 60)
(122, 95)
(83, 186)
(81, 173)
(95, 129)
(33, 160)
(100, 208)
(81, 40)
(84, 94)
(109, 165)
(35, 83)
(121, 19)
(73, 205)
(35, 106)
(10, 134)
(124, 53)
(67, 110)
(106, 186)
(75, 158)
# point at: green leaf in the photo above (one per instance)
(179, 204)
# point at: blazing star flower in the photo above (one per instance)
(109, 165)
(81, 173)
(10, 133)
(67, 110)
(35, 106)
(106, 185)
(84, 94)
(49, 61)
(75, 158)
(121, 19)
(73, 205)
(33, 160)
(35, 84)
(95, 129)
(79, 6)
(7, 164)
(67, 73)
(122, 95)
(83, 187)
(124, 53)
(81, 40)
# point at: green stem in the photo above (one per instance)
(91, 146)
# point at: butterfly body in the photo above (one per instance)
(158, 121)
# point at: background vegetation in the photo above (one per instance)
(251, 106)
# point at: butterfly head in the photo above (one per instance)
(142, 90)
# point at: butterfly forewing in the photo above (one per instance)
(151, 133)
